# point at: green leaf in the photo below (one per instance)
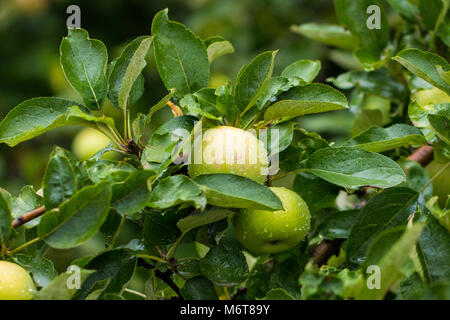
(434, 249)
(303, 145)
(5, 216)
(275, 87)
(181, 57)
(57, 289)
(41, 268)
(219, 48)
(76, 116)
(406, 8)
(411, 288)
(328, 283)
(390, 208)
(299, 101)
(329, 34)
(160, 228)
(372, 42)
(444, 31)
(419, 116)
(438, 291)
(378, 139)
(225, 103)
(317, 193)
(126, 71)
(36, 116)
(161, 104)
(352, 167)
(417, 177)
(138, 128)
(381, 246)
(176, 190)
(440, 126)
(337, 225)
(84, 63)
(199, 288)
(232, 191)
(164, 140)
(378, 82)
(365, 119)
(131, 195)
(198, 218)
(77, 219)
(32, 118)
(189, 267)
(442, 215)
(423, 64)
(59, 182)
(116, 266)
(108, 170)
(277, 294)
(207, 99)
(225, 265)
(285, 136)
(306, 70)
(444, 74)
(201, 103)
(433, 13)
(392, 261)
(252, 80)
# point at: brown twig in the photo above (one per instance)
(328, 248)
(133, 148)
(423, 155)
(239, 292)
(325, 250)
(164, 276)
(28, 217)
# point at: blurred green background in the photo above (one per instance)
(31, 31)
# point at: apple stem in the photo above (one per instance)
(23, 246)
(125, 117)
(164, 276)
(28, 217)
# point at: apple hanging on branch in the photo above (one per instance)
(263, 231)
(232, 150)
(15, 282)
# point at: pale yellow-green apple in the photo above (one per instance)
(431, 96)
(15, 282)
(89, 141)
(218, 79)
(441, 184)
(264, 231)
(229, 150)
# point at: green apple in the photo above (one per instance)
(431, 96)
(263, 231)
(441, 184)
(230, 150)
(15, 282)
(89, 141)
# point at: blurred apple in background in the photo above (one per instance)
(88, 142)
(431, 96)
